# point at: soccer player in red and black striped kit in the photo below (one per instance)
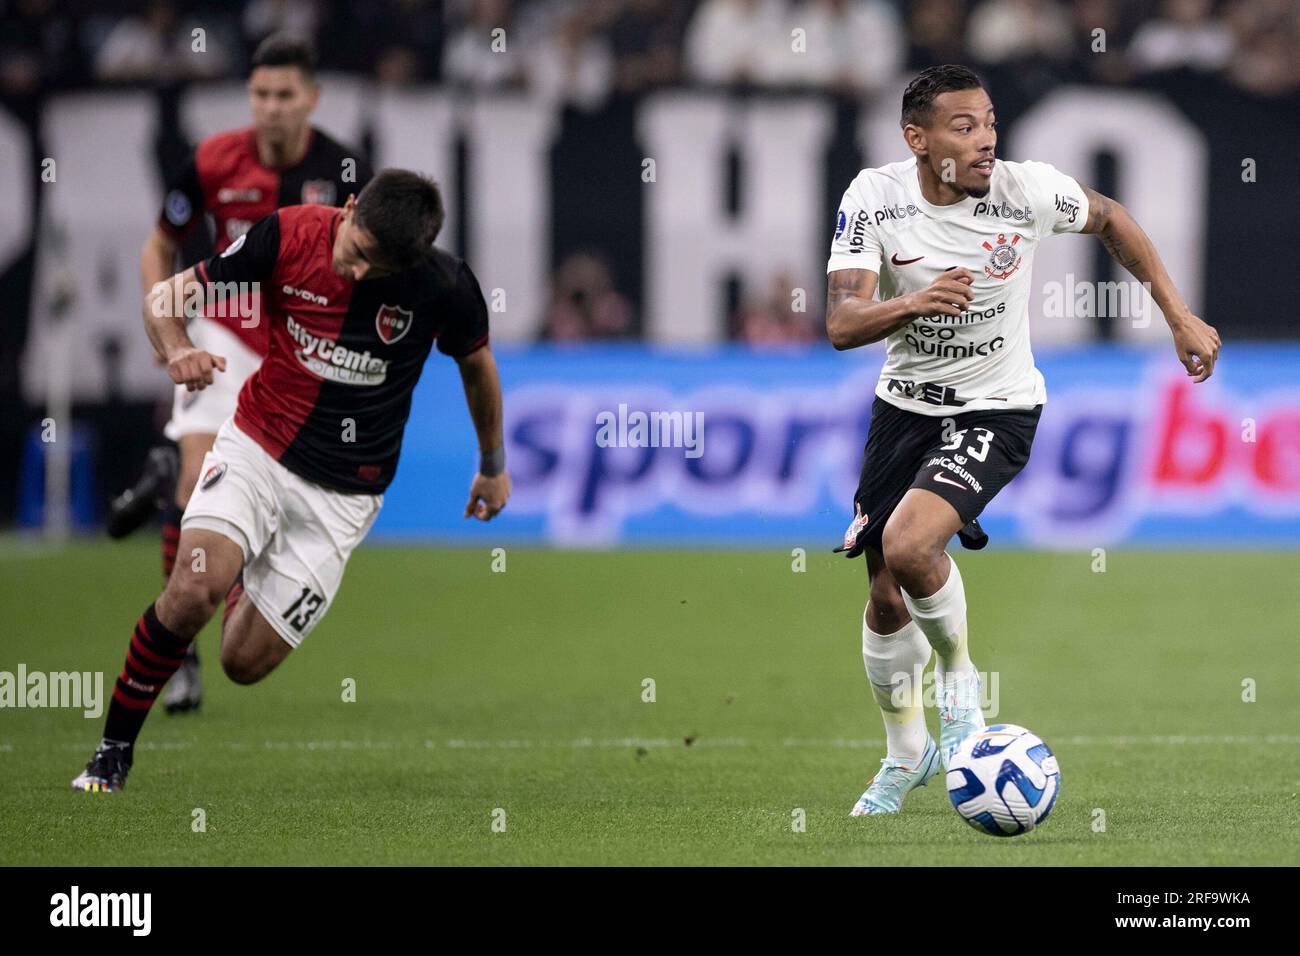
(354, 300)
(236, 177)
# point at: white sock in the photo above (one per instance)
(895, 663)
(942, 618)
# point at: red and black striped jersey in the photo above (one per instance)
(331, 398)
(226, 179)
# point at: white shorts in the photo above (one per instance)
(296, 535)
(202, 412)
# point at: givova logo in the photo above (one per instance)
(75, 909)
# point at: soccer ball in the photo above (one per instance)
(1003, 780)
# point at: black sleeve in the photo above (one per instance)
(250, 258)
(463, 317)
(183, 205)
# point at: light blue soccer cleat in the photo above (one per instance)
(887, 788)
(959, 712)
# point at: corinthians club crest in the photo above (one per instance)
(392, 322)
(1003, 257)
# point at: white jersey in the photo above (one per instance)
(942, 364)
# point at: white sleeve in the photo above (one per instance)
(1058, 200)
(855, 244)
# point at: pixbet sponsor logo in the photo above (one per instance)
(1004, 210)
(893, 213)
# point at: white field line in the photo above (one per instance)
(649, 743)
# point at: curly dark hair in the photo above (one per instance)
(918, 98)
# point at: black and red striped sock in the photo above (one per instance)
(153, 657)
(171, 538)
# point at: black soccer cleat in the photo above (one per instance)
(157, 485)
(106, 772)
(972, 536)
(185, 689)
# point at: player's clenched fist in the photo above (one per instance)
(487, 496)
(947, 295)
(1198, 347)
(193, 367)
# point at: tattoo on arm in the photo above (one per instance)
(1101, 210)
(845, 284)
(1118, 251)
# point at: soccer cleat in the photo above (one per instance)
(133, 507)
(106, 772)
(886, 790)
(959, 712)
(185, 689)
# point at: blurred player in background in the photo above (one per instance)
(354, 300)
(237, 177)
(948, 238)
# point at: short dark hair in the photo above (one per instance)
(918, 98)
(403, 211)
(286, 49)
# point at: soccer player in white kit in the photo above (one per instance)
(947, 238)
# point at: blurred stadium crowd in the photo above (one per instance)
(583, 51)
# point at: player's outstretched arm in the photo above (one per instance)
(854, 319)
(157, 258)
(164, 321)
(491, 486)
(157, 261)
(1196, 342)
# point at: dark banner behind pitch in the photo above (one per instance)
(693, 198)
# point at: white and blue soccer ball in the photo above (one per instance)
(1003, 780)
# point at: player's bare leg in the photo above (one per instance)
(185, 689)
(895, 653)
(250, 647)
(207, 565)
(914, 541)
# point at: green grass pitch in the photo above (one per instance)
(516, 698)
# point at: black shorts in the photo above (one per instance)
(965, 459)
